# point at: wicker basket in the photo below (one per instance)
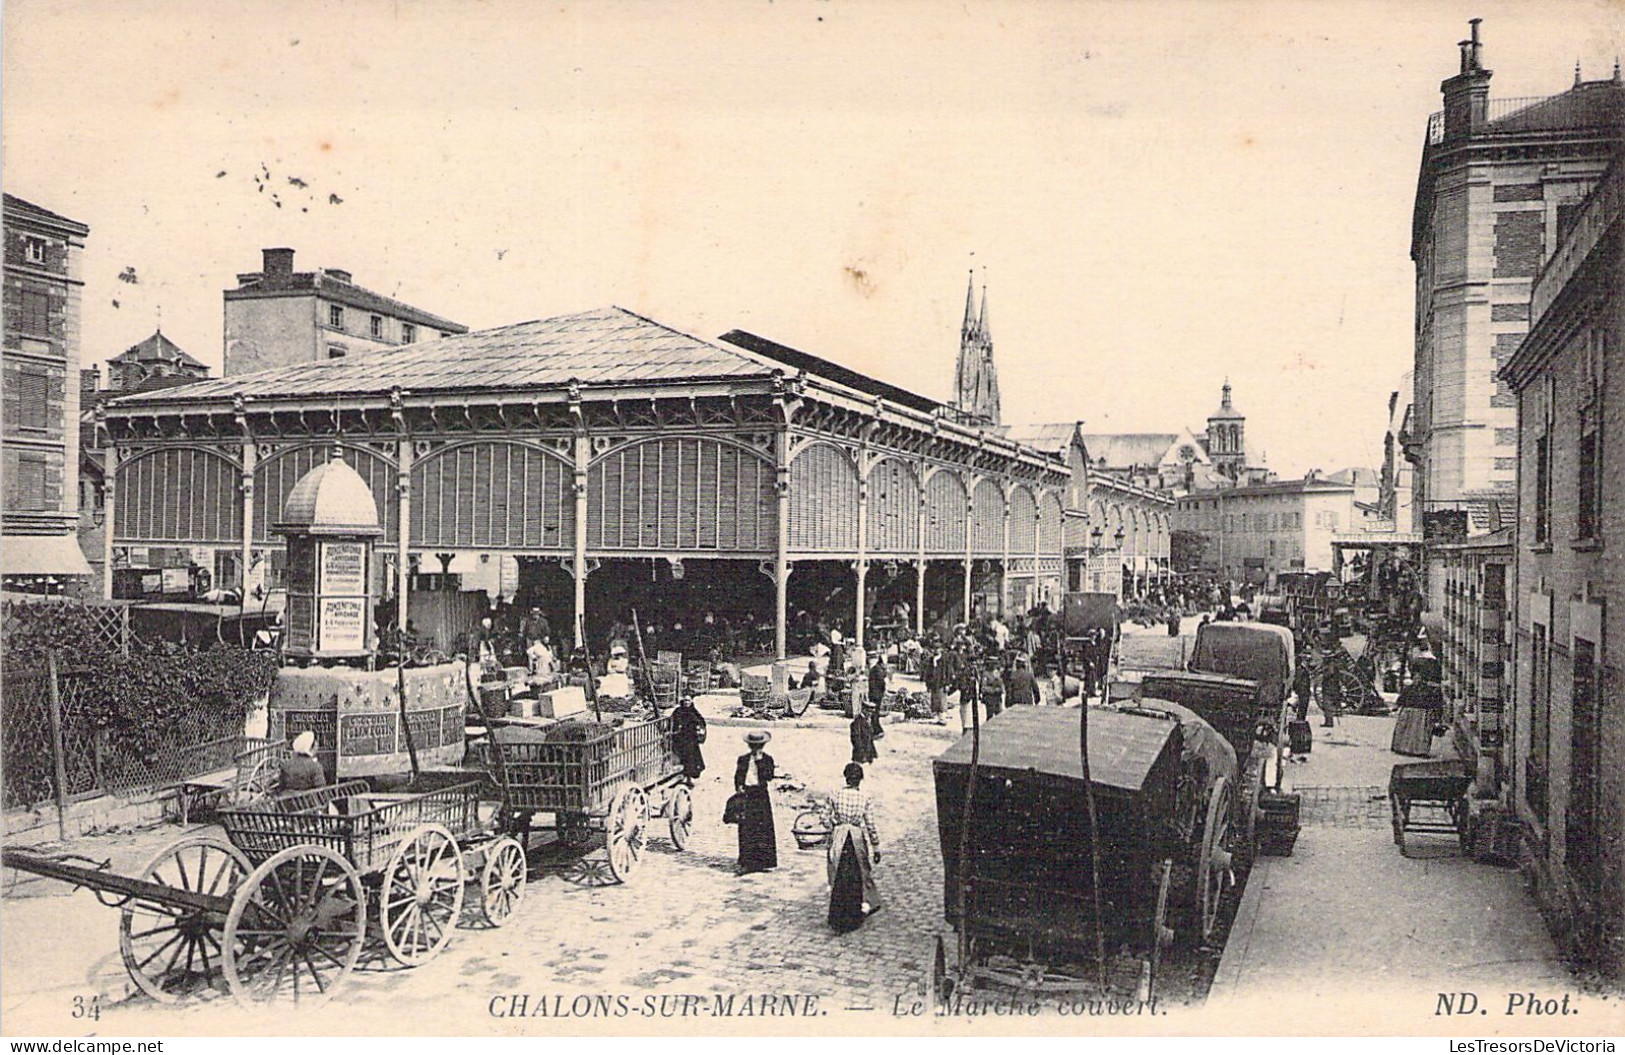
(811, 830)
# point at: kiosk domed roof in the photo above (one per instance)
(331, 499)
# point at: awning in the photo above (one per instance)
(42, 555)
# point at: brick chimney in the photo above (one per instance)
(278, 265)
(1467, 94)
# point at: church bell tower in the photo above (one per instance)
(1227, 437)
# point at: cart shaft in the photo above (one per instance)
(113, 883)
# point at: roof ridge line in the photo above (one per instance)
(720, 345)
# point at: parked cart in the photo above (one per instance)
(1021, 895)
(1429, 797)
(250, 775)
(279, 909)
(590, 776)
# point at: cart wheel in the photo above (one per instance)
(680, 815)
(295, 929)
(1162, 936)
(422, 894)
(502, 881)
(1213, 867)
(627, 829)
(258, 783)
(170, 950)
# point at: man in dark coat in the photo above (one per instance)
(687, 734)
(931, 674)
(877, 693)
(1023, 687)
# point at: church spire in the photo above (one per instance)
(976, 381)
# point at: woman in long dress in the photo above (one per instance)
(758, 842)
(687, 734)
(854, 850)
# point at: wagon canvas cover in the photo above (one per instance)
(1123, 749)
(1258, 651)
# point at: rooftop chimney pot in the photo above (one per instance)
(278, 263)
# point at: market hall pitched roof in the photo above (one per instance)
(604, 347)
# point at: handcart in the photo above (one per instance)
(1430, 798)
(250, 776)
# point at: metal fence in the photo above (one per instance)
(104, 623)
(51, 748)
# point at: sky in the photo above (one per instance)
(1157, 195)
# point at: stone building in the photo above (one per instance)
(621, 463)
(1566, 750)
(156, 357)
(1255, 532)
(279, 317)
(1500, 183)
(39, 447)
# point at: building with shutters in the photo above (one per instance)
(1563, 758)
(39, 444)
(278, 317)
(620, 463)
(1500, 183)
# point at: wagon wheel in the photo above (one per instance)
(1161, 935)
(1213, 867)
(258, 783)
(1250, 815)
(422, 894)
(169, 950)
(295, 929)
(627, 831)
(502, 881)
(680, 815)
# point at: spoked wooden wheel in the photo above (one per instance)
(627, 831)
(1213, 867)
(258, 783)
(422, 894)
(680, 815)
(171, 950)
(502, 881)
(295, 929)
(1161, 936)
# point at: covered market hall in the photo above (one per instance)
(612, 463)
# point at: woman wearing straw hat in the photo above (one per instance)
(300, 771)
(758, 842)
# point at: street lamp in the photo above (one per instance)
(1119, 538)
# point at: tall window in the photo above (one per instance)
(1545, 415)
(36, 312)
(1588, 508)
(376, 325)
(1543, 489)
(33, 398)
(409, 333)
(1583, 829)
(335, 316)
(29, 490)
(1537, 765)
